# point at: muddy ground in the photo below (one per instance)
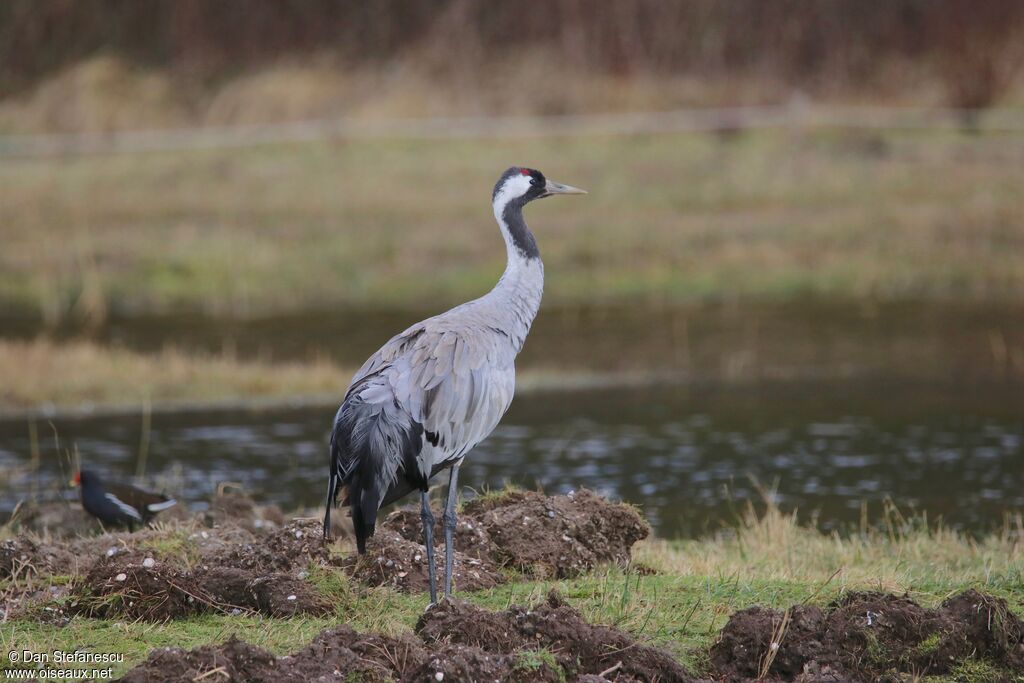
(867, 636)
(453, 641)
(861, 637)
(238, 557)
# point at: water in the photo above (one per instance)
(690, 456)
(715, 342)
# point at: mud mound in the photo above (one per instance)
(745, 642)
(579, 647)
(21, 556)
(557, 536)
(457, 643)
(471, 539)
(362, 656)
(988, 625)
(468, 663)
(218, 541)
(296, 544)
(868, 636)
(235, 660)
(283, 595)
(391, 560)
(276, 595)
(891, 631)
(120, 588)
(59, 519)
(237, 509)
(543, 536)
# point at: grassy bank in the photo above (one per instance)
(769, 560)
(43, 374)
(762, 215)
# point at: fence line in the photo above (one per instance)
(728, 119)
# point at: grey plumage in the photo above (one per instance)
(436, 390)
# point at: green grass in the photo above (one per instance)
(771, 214)
(681, 613)
(769, 560)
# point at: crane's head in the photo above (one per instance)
(524, 185)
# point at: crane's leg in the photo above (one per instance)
(449, 529)
(428, 542)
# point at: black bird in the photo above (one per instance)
(119, 504)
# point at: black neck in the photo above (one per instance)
(522, 238)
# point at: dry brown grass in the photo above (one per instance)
(107, 93)
(41, 373)
(898, 556)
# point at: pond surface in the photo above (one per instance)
(691, 457)
(953, 343)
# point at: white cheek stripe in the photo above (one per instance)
(515, 186)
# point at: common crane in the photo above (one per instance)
(429, 395)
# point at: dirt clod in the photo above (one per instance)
(543, 536)
(22, 556)
(235, 660)
(296, 544)
(391, 560)
(276, 594)
(241, 510)
(867, 636)
(578, 647)
(120, 588)
(557, 536)
(747, 641)
(548, 643)
(988, 625)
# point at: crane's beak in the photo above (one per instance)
(552, 188)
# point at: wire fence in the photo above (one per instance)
(717, 120)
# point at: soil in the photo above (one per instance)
(120, 587)
(254, 575)
(296, 544)
(253, 560)
(866, 637)
(241, 510)
(393, 561)
(277, 595)
(23, 556)
(235, 660)
(471, 539)
(440, 651)
(542, 536)
(238, 555)
(578, 647)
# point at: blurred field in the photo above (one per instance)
(754, 215)
(106, 64)
(45, 375)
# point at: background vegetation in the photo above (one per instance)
(118, 63)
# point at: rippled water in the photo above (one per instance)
(690, 457)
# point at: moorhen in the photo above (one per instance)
(119, 504)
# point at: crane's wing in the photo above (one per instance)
(417, 405)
